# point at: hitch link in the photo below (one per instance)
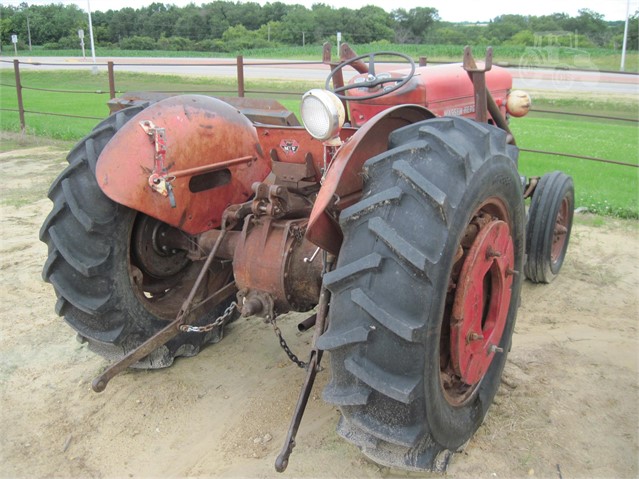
(313, 366)
(171, 330)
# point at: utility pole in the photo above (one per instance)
(95, 68)
(303, 38)
(625, 39)
(28, 28)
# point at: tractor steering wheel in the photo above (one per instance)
(371, 80)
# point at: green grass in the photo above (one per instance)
(592, 58)
(628, 108)
(602, 188)
(93, 102)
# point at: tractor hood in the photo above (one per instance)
(446, 90)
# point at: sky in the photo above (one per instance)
(449, 10)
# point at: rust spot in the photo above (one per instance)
(182, 219)
(186, 112)
(208, 127)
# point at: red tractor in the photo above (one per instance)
(396, 211)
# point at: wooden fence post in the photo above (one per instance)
(240, 76)
(111, 80)
(16, 68)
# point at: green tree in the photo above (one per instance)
(548, 23)
(157, 19)
(216, 14)
(503, 27)
(274, 12)
(454, 34)
(138, 43)
(48, 23)
(523, 37)
(326, 22)
(414, 25)
(192, 23)
(297, 25)
(589, 23)
(123, 24)
(368, 24)
(239, 38)
(6, 23)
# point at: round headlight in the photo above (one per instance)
(322, 113)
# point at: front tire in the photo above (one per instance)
(420, 268)
(113, 287)
(549, 226)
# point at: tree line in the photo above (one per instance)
(227, 26)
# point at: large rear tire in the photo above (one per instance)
(425, 292)
(113, 287)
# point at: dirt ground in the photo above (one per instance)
(568, 406)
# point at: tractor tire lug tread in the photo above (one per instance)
(406, 328)
(544, 207)
(440, 165)
(400, 387)
(87, 234)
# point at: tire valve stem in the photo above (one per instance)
(495, 349)
(511, 272)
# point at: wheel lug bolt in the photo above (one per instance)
(491, 253)
(473, 336)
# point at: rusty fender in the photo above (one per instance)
(343, 182)
(202, 153)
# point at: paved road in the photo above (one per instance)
(549, 80)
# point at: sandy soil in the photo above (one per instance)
(568, 405)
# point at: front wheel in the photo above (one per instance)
(549, 225)
(425, 292)
(117, 283)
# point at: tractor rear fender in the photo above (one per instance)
(343, 183)
(211, 157)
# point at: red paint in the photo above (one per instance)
(482, 301)
(445, 90)
(202, 132)
(199, 131)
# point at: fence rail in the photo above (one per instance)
(241, 91)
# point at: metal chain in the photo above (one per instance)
(285, 347)
(219, 321)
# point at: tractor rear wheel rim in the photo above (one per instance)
(162, 278)
(479, 301)
(560, 232)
